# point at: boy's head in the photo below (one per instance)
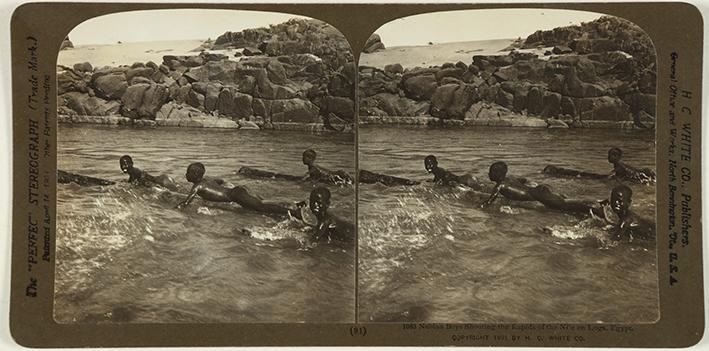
(614, 155)
(319, 201)
(621, 198)
(498, 171)
(195, 172)
(309, 157)
(126, 163)
(430, 162)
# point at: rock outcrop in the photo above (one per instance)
(300, 71)
(599, 71)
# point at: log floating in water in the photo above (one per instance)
(66, 178)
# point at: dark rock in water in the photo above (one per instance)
(110, 86)
(66, 44)
(547, 53)
(395, 68)
(385, 104)
(234, 104)
(83, 67)
(420, 87)
(251, 51)
(373, 44)
(561, 50)
(144, 100)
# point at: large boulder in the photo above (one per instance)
(223, 71)
(442, 99)
(535, 100)
(69, 80)
(341, 106)
(385, 104)
(110, 86)
(420, 87)
(603, 108)
(269, 90)
(394, 68)
(292, 110)
(195, 99)
(373, 44)
(84, 105)
(146, 72)
(144, 100)
(83, 67)
(210, 91)
(234, 104)
(276, 72)
(377, 82)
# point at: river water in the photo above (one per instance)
(428, 253)
(124, 254)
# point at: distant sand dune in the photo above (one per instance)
(126, 53)
(434, 55)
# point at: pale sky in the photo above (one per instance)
(437, 27)
(179, 24)
(471, 25)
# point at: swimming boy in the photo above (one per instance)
(144, 178)
(443, 177)
(622, 171)
(629, 225)
(520, 190)
(320, 174)
(509, 187)
(326, 227)
(217, 190)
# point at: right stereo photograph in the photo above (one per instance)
(507, 169)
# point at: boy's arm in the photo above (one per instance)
(190, 197)
(493, 196)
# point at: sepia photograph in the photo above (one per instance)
(205, 169)
(506, 162)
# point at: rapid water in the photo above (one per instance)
(428, 253)
(124, 254)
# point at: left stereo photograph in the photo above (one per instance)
(205, 168)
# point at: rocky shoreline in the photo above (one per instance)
(600, 74)
(298, 72)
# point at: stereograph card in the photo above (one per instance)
(357, 174)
